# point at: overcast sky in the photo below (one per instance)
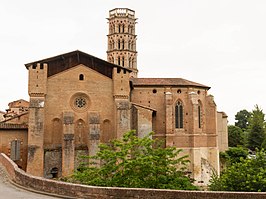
(219, 43)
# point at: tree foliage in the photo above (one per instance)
(244, 172)
(235, 136)
(242, 119)
(256, 135)
(234, 154)
(248, 174)
(134, 162)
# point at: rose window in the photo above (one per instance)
(80, 102)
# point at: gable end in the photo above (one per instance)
(66, 61)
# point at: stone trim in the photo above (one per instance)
(142, 106)
(13, 126)
(37, 95)
(121, 96)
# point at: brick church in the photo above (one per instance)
(77, 100)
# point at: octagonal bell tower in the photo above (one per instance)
(122, 39)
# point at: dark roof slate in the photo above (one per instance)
(65, 61)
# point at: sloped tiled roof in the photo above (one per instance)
(16, 116)
(166, 82)
(65, 61)
(17, 103)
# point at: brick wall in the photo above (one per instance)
(21, 178)
(11, 132)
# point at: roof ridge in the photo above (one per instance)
(68, 53)
(166, 81)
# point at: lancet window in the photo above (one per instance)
(179, 115)
(199, 115)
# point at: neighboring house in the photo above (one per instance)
(22, 118)
(16, 108)
(78, 100)
(2, 116)
(14, 132)
(14, 142)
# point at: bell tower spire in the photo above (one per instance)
(122, 39)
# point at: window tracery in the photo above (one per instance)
(179, 115)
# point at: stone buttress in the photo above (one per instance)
(37, 92)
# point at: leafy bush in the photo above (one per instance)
(247, 174)
(134, 162)
(234, 154)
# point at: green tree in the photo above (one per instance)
(235, 136)
(242, 119)
(256, 134)
(134, 162)
(234, 154)
(248, 174)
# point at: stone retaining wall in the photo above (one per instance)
(69, 190)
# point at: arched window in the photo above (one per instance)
(110, 45)
(132, 63)
(123, 28)
(129, 62)
(199, 114)
(113, 45)
(118, 61)
(81, 77)
(111, 60)
(123, 61)
(130, 29)
(179, 115)
(119, 44)
(111, 29)
(123, 44)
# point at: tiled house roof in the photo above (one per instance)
(166, 82)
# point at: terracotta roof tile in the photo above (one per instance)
(165, 82)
